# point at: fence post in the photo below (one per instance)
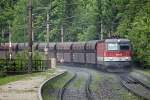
(53, 62)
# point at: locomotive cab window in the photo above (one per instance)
(112, 46)
(124, 46)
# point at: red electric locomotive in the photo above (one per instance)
(114, 53)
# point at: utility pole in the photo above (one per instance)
(62, 33)
(30, 34)
(47, 40)
(102, 35)
(47, 28)
(10, 46)
(101, 29)
(24, 32)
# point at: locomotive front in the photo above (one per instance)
(117, 53)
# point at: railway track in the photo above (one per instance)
(97, 86)
(135, 86)
(142, 83)
(61, 92)
(84, 93)
(88, 91)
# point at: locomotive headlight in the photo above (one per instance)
(127, 59)
(110, 59)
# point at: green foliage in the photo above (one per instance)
(38, 55)
(20, 62)
(6, 17)
(87, 35)
(23, 55)
(19, 23)
(82, 20)
(12, 78)
(137, 29)
(2, 69)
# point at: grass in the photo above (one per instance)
(78, 82)
(58, 82)
(12, 78)
(50, 90)
(142, 70)
(95, 79)
(7, 79)
(147, 72)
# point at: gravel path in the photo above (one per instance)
(26, 89)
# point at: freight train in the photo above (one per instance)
(104, 54)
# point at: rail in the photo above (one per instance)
(88, 90)
(61, 92)
(135, 86)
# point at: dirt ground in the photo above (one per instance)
(26, 89)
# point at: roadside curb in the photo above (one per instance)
(41, 86)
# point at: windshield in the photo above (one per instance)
(124, 46)
(118, 46)
(112, 46)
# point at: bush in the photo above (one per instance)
(20, 62)
(138, 30)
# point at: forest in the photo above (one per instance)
(81, 20)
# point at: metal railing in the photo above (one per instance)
(17, 65)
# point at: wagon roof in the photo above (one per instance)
(42, 45)
(117, 40)
(52, 46)
(22, 45)
(92, 42)
(79, 43)
(65, 45)
(5, 46)
(91, 45)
